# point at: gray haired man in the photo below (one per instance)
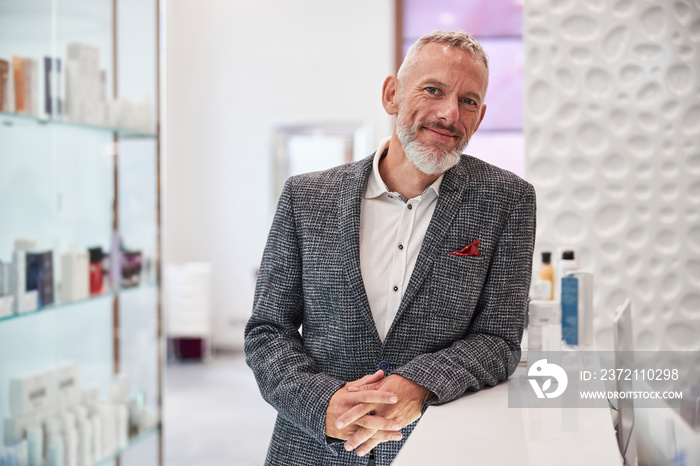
(407, 272)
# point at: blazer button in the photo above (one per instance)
(384, 366)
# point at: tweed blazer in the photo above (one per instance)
(458, 327)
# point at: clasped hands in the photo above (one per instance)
(373, 409)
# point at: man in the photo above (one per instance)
(415, 261)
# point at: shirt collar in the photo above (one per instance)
(375, 184)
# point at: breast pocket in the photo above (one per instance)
(456, 284)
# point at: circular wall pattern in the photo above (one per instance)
(579, 28)
(615, 166)
(585, 196)
(692, 270)
(631, 74)
(633, 264)
(591, 138)
(647, 341)
(691, 120)
(667, 242)
(653, 22)
(569, 228)
(541, 99)
(624, 128)
(679, 79)
(610, 219)
(615, 43)
(649, 53)
(690, 306)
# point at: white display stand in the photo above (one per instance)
(188, 301)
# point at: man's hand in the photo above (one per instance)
(362, 401)
(411, 397)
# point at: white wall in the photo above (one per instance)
(612, 121)
(234, 70)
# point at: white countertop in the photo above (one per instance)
(480, 429)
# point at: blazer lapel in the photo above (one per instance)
(349, 202)
(452, 190)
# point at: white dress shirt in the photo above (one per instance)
(392, 229)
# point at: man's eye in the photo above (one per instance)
(432, 90)
(468, 101)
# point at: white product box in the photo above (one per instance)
(75, 276)
(16, 427)
(5, 271)
(69, 394)
(18, 279)
(32, 394)
(6, 305)
(25, 245)
(29, 302)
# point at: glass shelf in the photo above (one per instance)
(53, 307)
(133, 441)
(10, 119)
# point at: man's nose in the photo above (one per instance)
(448, 110)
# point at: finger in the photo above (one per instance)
(378, 423)
(358, 438)
(363, 405)
(368, 379)
(379, 437)
(359, 388)
(386, 435)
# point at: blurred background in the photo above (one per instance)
(144, 143)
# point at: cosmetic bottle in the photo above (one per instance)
(96, 272)
(544, 327)
(56, 451)
(546, 272)
(568, 263)
(35, 446)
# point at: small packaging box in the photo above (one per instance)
(32, 394)
(6, 305)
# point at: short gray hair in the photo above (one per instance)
(460, 39)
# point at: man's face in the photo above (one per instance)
(440, 106)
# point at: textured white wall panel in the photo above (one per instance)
(612, 124)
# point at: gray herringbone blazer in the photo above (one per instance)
(458, 327)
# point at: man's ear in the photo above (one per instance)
(390, 95)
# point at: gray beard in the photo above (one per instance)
(433, 160)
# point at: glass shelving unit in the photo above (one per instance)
(72, 304)
(70, 182)
(11, 119)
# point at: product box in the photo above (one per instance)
(18, 280)
(69, 393)
(544, 328)
(6, 305)
(5, 271)
(4, 85)
(577, 309)
(40, 276)
(75, 276)
(32, 394)
(28, 302)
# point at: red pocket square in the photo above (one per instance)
(471, 250)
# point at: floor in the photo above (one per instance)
(214, 415)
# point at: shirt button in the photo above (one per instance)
(396, 288)
(384, 366)
(410, 207)
(400, 246)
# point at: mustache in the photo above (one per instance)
(436, 124)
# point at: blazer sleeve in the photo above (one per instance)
(289, 379)
(490, 351)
